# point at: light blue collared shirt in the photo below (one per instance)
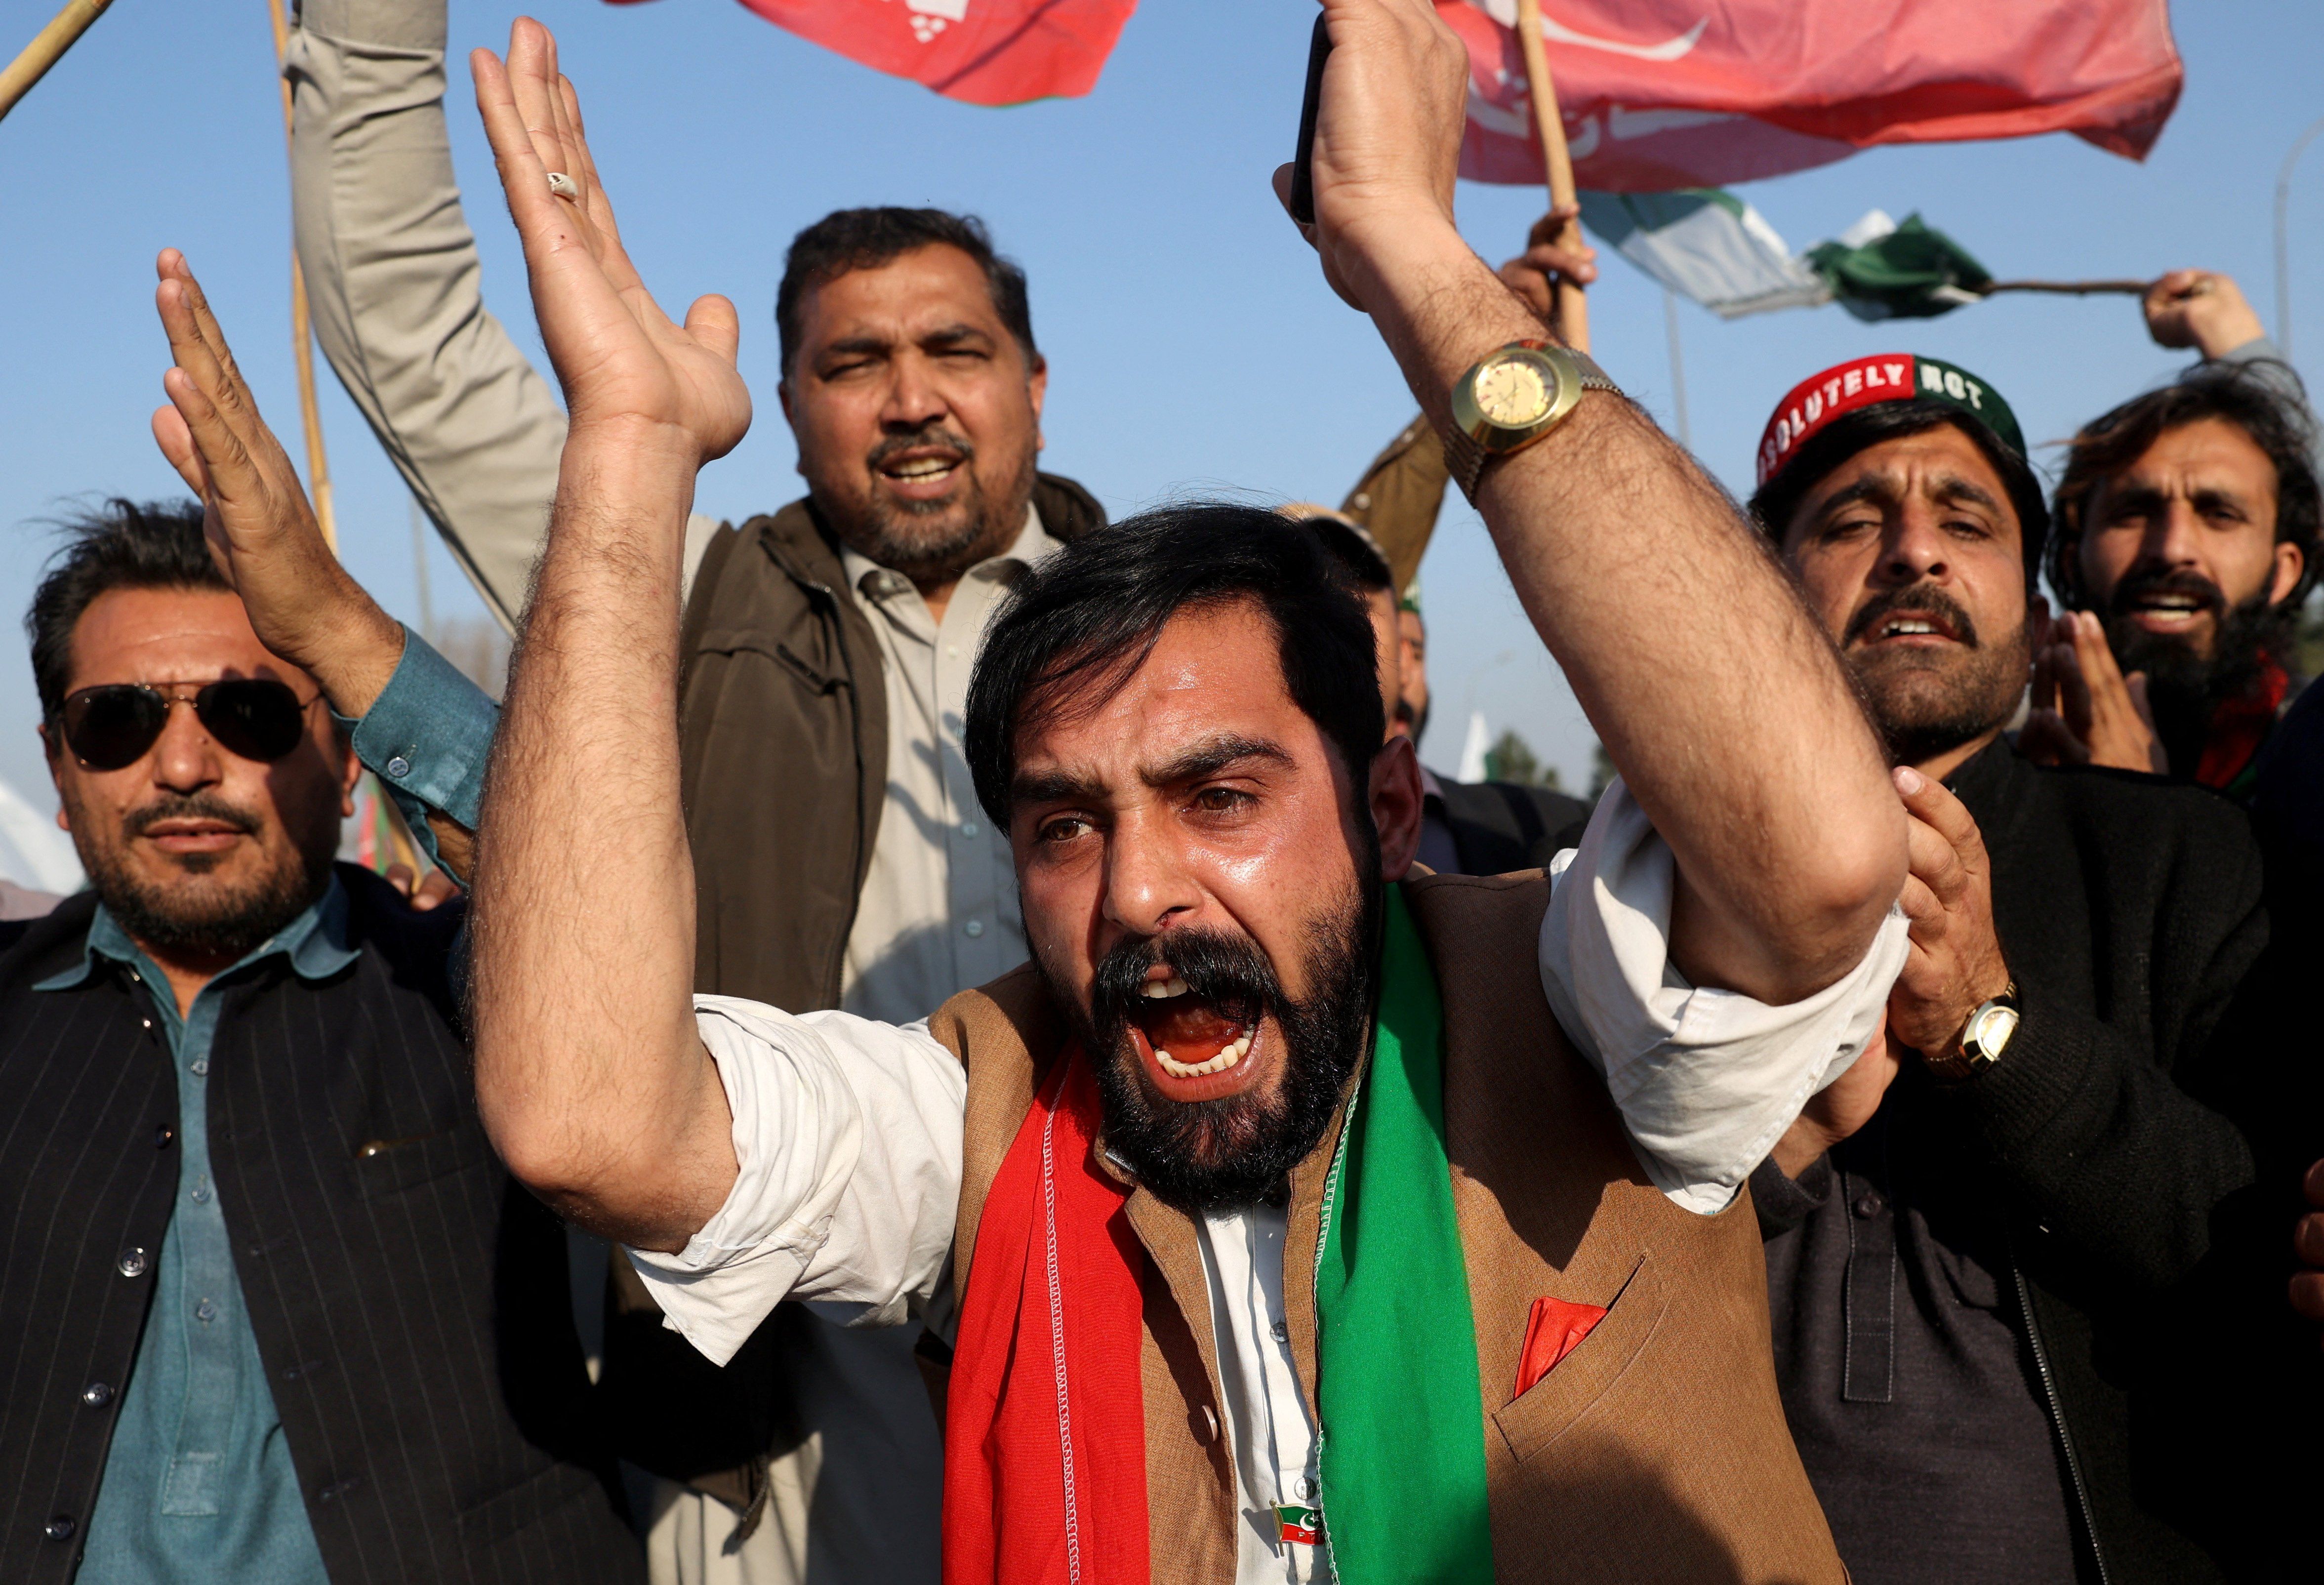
(198, 1485)
(427, 737)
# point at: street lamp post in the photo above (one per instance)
(2282, 235)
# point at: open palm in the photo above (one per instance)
(623, 362)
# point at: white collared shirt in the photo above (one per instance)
(847, 1133)
(937, 911)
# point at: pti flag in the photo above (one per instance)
(1663, 94)
(982, 51)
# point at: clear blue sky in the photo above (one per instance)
(1192, 343)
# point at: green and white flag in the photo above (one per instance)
(1710, 246)
(1707, 244)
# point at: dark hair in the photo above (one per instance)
(122, 545)
(847, 239)
(1353, 551)
(2110, 443)
(1868, 426)
(1090, 614)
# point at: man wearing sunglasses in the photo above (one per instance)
(269, 1308)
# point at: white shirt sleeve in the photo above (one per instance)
(1706, 1080)
(847, 1135)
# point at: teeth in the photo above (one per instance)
(922, 469)
(1229, 1055)
(1162, 989)
(1912, 627)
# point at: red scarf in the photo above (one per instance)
(2240, 726)
(1045, 1423)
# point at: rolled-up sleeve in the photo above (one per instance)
(1706, 1080)
(847, 1140)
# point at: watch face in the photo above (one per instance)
(1993, 1029)
(1512, 393)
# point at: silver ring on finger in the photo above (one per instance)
(564, 186)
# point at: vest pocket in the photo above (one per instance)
(1560, 1398)
(390, 1166)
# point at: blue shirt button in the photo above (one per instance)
(398, 768)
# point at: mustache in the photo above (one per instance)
(188, 807)
(1924, 598)
(1229, 971)
(931, 435)
(2184, 581)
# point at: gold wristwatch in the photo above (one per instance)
(1511, 398)
(1982, 1038)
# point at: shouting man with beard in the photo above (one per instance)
(257, 1252)
(840, 859)
(2187, 522)
(1974, 1245)
(1291, 1214)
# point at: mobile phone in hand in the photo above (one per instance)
(1303, 171)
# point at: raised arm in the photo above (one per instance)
(398, 295)
(1717, 695)
(590, 1075)
(302, 603)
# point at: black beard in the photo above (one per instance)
(2183, 688)
(1925, 703)
(911, 539)
(1231, 1154)
(196, 919)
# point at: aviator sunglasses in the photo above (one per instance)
(113, 725)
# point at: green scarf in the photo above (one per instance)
(1401, 1419)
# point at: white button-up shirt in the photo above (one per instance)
(939, 909)
(847, 1135)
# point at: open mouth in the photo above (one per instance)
(1192, 1048)
(2167, 612)
(1910, 626)
(920, 469)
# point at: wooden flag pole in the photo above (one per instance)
(48, 47)
(1572, 306)
(2071, 288)
(302, 340)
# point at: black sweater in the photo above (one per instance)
(2083, 1225)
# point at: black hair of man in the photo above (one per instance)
(1082, 621)
(1355, 553)
(120, 545)
(848, 240)
(1868, 427)
(2113, 441)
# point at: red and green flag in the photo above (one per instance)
(980, 52)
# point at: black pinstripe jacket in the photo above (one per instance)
(411, 1302)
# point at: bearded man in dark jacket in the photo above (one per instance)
(2017, 1262)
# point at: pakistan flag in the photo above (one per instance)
(1707, 244)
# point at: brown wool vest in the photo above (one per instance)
(1656, 1450)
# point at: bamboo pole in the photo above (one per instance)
(1572, 314)
(46, 48)
(302, 339)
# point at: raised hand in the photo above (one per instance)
(2085, 710)
(1388, 139)
(2201, 308)
(1955, 961)
(1535, 273)
(623, 365)
(262, 530)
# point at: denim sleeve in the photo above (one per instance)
(427, 738)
